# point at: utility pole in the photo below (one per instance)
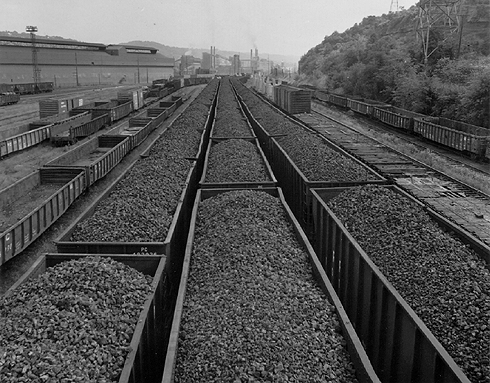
(437, 15)
(35, 67)
(138, 61)
(76, 69)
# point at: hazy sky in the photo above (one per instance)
(288, 27)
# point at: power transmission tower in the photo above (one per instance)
(394, 6)
(437, 15)
(35, 67)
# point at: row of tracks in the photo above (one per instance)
(464, 205)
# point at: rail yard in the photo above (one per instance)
(202, 232)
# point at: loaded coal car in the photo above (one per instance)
(253, 303)
(123, 345)
(411, 285)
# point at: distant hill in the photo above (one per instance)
(28, 35)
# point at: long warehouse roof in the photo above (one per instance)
(73, 43)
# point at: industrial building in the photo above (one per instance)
(68, 63)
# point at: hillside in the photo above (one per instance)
(382, 58)
(401, 28)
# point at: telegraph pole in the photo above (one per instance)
(440, 15)
(76, 68)
(35, 67)
(138, 62)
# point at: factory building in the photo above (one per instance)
(68, 63)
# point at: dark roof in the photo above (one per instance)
(40, 40)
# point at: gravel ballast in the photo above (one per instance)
(253, 312)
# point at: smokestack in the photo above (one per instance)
(256, 52)
(251, 63)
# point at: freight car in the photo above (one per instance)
(69, 108)
(465, 138)
(371, 266)
(265, 337)
(303, 159)
(67, 177)
(291, 99)
(8, 98)
(27, 88)
(392, 334)
(140, 281)
(60, 104)
(62, 136)
(61, 124)
(166, 211)
(33, 204)
(41, 131)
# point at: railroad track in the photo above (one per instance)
(456, 158)
(462, 204)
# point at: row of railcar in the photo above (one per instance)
(33, 203)
(28, 88)
(386, 340)
(60, 122)
(141, 357)
(394, 328)
(257, 257)
(465, 138)
(67, 120)
(65, 128)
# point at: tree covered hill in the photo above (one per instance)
(382, 58)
